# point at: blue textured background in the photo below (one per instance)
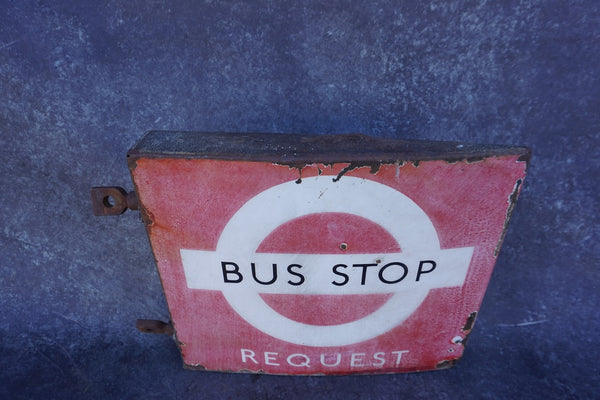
(81, 81)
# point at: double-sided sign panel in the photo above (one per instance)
(290, 254)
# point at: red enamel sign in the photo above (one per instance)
(290, 259)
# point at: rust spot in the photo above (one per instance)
(470, 322)
(512, 201)
(471, 160)
(131, 163)
(446, 363)
(461, 340)
(525, 157)
(195, 367)
(248, 371)
(354, 165)
(465, 340)
(299, 180)
(154, 326)
(147, 216)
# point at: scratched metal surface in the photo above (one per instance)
(80, 82)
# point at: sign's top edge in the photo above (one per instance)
(302, 148)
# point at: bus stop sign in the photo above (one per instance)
(333, 254)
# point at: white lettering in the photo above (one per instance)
(337, 360)
(356, 358)
(248, 354)
(399, 353)
(306, 362)
(379, 357)
(270, 357)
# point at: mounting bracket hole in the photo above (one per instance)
(108, 201)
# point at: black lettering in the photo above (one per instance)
(420, 271)
(253, 266)
(335, 271)
(382, 279)
(299, 275)
(363, 278)
(234, 271)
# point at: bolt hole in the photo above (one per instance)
(343, 246)
(108, 201)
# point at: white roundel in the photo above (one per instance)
(381, 204)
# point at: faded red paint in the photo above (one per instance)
(191, 200)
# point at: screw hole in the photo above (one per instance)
(108, 201)
(343, 246)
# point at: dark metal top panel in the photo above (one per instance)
(303, 149)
